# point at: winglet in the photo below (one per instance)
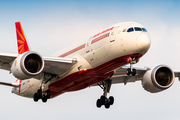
(21, 39)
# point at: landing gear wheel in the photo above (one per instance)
(35, 97)
(39, 94)
(111, 100)
(48, 94)
(103, 99)
(107, 105)
(44, 99)
(128, 71)
(105, 85)
(133, 72)
(98, 103)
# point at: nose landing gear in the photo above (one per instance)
(131, 70)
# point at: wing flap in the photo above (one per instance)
(123, 79)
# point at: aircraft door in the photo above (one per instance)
(88, 46)
(88, 55)
(113, 34)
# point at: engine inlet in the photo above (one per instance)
(33, 63)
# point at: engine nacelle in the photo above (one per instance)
(158, 79)
(27, 65)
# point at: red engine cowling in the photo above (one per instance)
(27, 65)
(158, 79)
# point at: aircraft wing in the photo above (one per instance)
(53, 65)
(6, 60)
(177, 73)
(120, 75)
(58, 66)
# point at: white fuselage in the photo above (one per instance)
(98, 56)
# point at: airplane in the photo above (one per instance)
(100, 61)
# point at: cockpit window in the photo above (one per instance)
(130, 30)
(144, 29)
(137, 29)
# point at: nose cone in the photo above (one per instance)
(143, 42)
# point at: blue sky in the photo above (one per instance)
(53, 25)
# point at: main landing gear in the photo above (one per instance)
(41, 94)
(131, 70)
(107, 102)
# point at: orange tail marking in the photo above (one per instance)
(21, 39)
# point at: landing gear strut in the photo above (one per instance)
(105, 85)
(41, 94)
(131, 70)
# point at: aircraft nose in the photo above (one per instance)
(143, 42)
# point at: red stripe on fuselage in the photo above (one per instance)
(93, 41)
(103, 32)
(83, 46)
(83, 79)
(100, 38)
(73, 51)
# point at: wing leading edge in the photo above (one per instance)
(53, 65)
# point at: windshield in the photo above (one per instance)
(130, 30)
(144, 29)
(136, 29)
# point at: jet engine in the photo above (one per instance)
(158, 79)
(27, 65)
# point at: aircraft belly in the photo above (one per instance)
(82, 79)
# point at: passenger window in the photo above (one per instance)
(144, 29)
(130, 30)
(137, 29)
